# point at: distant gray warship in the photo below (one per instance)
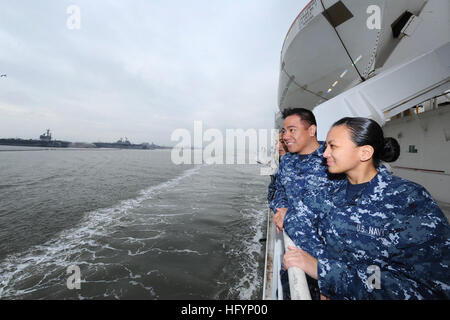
(124, 143)
(45, 140)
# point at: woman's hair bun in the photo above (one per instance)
(391, 150)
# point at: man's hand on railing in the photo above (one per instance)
(278, 218)
(296, 257)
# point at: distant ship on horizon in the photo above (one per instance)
(45, 140)
(124, 143)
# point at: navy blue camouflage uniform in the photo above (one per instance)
(272, 187)
(392, 229)
(298, 177)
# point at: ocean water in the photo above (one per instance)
(134, 224)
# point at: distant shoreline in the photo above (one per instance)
(72, 149)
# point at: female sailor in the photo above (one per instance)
(383, 237)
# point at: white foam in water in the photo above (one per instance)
(44, 266)
(186, 251)
(250, 282)
(253, 249)
(50, 260)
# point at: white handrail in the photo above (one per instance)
(276, 245)
(272, 289)
(297, 279)
(270, 284)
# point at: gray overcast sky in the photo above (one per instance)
(140, 69)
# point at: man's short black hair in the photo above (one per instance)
(304, 114)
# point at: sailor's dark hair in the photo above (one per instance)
(366, 131)
(303, 113)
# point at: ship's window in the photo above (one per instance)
(398, 24)
(337, 14)
(420, 109)
(412, 149)
(407, 113)
(344, 73)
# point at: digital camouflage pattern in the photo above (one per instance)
(272, 187)
(299, 177)
(390, 242)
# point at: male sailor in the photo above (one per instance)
(302, 172)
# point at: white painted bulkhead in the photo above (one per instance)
(424, 140)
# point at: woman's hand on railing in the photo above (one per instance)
(296, 257)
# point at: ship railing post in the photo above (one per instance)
(274, 251)
(279, 252)
(276, 246)
(297, 279)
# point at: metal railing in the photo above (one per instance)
(276, 246)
